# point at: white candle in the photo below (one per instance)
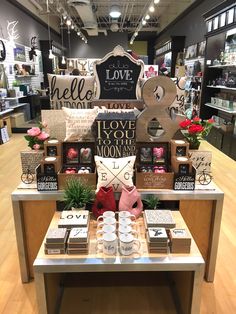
(53, 141)
(50, 158)
(182, 158)
(180, 142)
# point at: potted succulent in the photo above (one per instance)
(151, 202)
(77, 194)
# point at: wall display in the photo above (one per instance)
(191, 52)
(201, 48)
(71, 91)
(117, 75)
(2, 51)
(19, 53)
(116, 134)
(158, 110)
(115, 172)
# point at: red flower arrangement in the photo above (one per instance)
(195, 130)
(36, 136)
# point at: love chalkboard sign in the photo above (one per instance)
(117, 75)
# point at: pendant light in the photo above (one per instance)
(70, 62)
(63, 59)
(50, 55)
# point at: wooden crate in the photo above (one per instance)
(87, 178)
(150, 180)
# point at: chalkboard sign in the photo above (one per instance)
(117, 75)
(46, 182)
(116, 133)
(184, 182)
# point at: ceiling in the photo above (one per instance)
(91, 17)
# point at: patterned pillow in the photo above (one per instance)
(115, 172)
(71, 91)
(79, 124)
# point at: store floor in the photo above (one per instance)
(217, 298)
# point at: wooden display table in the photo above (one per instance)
(184, 271)
(201, 210)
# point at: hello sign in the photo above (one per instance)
(71, 91)
(117, 75)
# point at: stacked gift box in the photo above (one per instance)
(180, 241)
(78, 241)
(157, 240)
(74, 219)
(55, 242)
(158, 218)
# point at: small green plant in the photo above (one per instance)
(77, 194)
(15, 83)
(151, 202)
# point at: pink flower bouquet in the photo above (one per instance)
(36, 136)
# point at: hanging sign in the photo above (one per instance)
(117, 75)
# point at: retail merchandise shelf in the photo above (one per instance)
(222, 66)
(222, 87)
(5, 111)
(220, 108)
(199, 208)
(14, 98)
(54, 266)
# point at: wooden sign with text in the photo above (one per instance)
(119, 104)
(201, 160)
(116, 133)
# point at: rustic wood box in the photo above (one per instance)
(150, 180)
(87, 178)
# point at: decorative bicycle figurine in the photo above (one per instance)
(27, 177)
(204, 177)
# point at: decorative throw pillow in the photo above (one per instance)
(79, 124)
(71, 91)
(115, 172)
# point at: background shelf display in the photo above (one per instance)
(220, 108)
(222, 87)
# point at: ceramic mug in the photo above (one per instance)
(129, 244)
(107, 221)
(126, 214)
(106, 214)
(107, 243)
(126, 222)
(126, 229)
(106, 229)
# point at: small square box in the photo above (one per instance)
(181, 165)
(50, 165)
(179, 148)
(52, 148)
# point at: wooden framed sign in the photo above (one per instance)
(117, 75)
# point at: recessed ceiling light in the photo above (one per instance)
(156, 1)
(147, 17)
(144, 22)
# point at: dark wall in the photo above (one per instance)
(97, 46)
(27, 26)
(192, 25)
